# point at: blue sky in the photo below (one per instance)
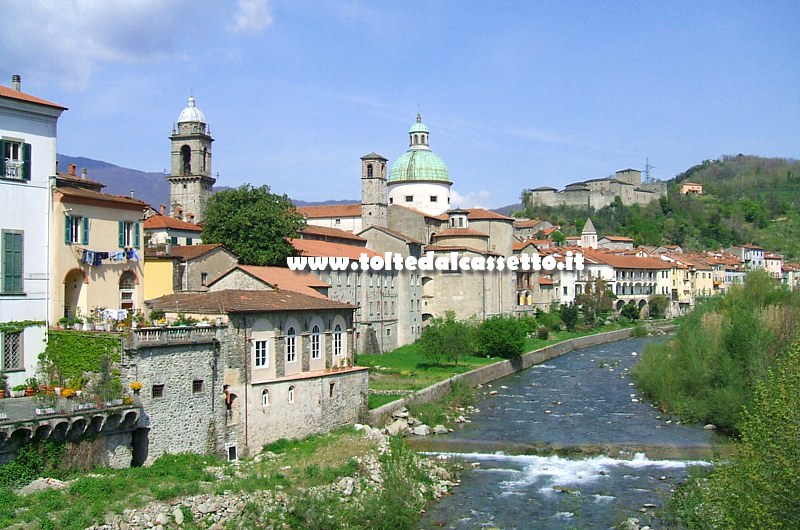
(516, 94)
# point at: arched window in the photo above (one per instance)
(265, 398)
(205, 157)
(127, 287)
(186, 160)
(369, 171)
(291, 345)
(337, 340)
(291, 394)
(315, 342)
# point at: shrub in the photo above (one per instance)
(530, 323)
(569, 315)
(630, 311)
(657, 306)
(447, 339)
(542, 333)
(502, 336)
(551, 321)
(639, 330)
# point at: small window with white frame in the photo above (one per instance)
(265, 398)
(16, 159)
(315, 342)
(261, 350)
(291, 345)
(291, 394)
(337, 340)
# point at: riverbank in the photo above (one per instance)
(353, 477)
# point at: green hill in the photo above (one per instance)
(746, 199)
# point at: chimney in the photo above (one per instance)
(163, 209)
(132, 194)
(179, 212)
(71, 170)
(16, 82)
(191, 218)
(83, 173)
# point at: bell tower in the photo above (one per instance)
(190, 181)
(374, 209)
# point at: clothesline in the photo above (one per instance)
(95, 257)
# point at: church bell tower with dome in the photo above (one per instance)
(419, 179)
(190, 181)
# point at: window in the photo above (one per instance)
(173, 240)
(12, 351)
(11, 257)
(261, 347)
(389, 332)
(128, 234)
(409, 198)
(76, 229)
(391, 200)
(16, 159)
(337, 221)
(291, 346)
(331, 387)
(291, 394)
(127, 287)
(186, 159)
(369, 171)
(158, 391)
(337, 340)
(315, 342)
(197, 386)
(265, 398)
(434, 198)
(203, 279)
(188, 240)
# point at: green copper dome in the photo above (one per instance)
(419, 163)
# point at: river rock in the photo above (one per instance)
(162, 519)
(402, 413)
(346, 486)
(492, 392)
(632, 523)
(42, 484)
(421, 430)
(440, 429)
(398, 427)
(177, 514)
(461, 419)
(710, 427)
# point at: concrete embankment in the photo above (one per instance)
(485, 374)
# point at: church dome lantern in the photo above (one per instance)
(191, 113)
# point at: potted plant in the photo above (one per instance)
(18, 391)
(31, 386)
(157, 316)
(3, 381)
(62, 323)
(3, 415)
(46, 404)
(136, 386)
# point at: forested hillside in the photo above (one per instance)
(746, 199)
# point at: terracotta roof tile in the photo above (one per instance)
(332, 210)
(234, 301)
(312, 247)
(399, 235)
(188, 252)
(100, 196)
(530, 223)
(325, 231)
(8, 92)
(162, 221)
(459, 232)
(287, 279)
(482, 213)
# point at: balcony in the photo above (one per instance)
(13, 169)
(160, 336)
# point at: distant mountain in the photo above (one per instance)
(509, 209)
(152, 188)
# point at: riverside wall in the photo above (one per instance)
(485, 374)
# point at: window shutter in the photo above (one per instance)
(8, 260)
(85, 230)
(121, 225)
(26, 161)
(67, 229)
(17, 238)
(12, 262)
(136, 235)
(2, 158)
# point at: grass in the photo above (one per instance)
(405, 368)
(312, 461)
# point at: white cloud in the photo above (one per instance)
(473, 199)
(251, 16)
(65, 41)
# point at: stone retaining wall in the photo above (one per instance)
(485, 374)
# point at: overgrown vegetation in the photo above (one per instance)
(708, 372)
(760, 486)
(746, 199)
(443, 410)
(71, 353)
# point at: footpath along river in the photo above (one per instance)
(625, 453)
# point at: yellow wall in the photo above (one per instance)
(159, 278)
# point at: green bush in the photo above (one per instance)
(501, 336)
(760, 486)
(551, 321)
(542, 333)
(569, 315)
(530, 323)
(630, 312)
(639, 330)
(447, 339)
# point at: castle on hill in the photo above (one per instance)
(598, 193)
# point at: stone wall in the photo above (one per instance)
(189, 416)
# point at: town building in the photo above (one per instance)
(28, 133)
(691, 188)
(598, 193)
(183, 268)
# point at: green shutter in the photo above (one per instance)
(67, 229)
(121, 234)
(2, 158)
(12, 262)
(85, 230)
(26, 161)
(136, 235)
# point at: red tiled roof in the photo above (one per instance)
(621, 239)
(530, 223)
(628, 262)
(331, 232)
(233, 301)
(332, 210)
(400, 235)
(188, 252)
(162, 221)
(79, 193)
(456, 248)
(284, 278)
(8, 92)
(313, 247)
(476, 214)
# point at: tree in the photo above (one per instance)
(658, 304)
(502, 336)
(596, 301)
(446, 338)
(253, 223)
(569, 315)
(630, 311)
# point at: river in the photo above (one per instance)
(626, 454)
